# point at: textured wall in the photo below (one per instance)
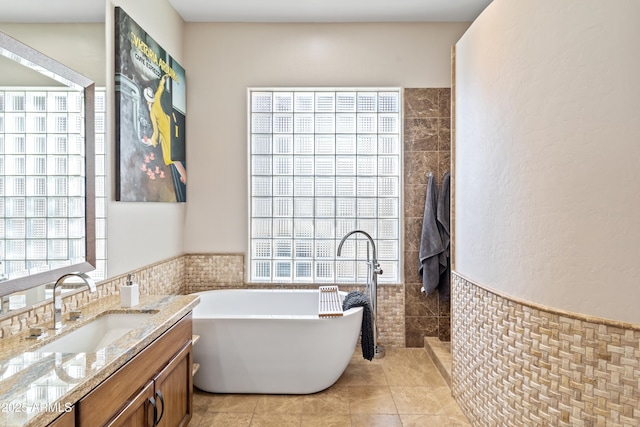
(547, 154)
(518, 364)
(427, 148)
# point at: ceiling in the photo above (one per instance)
(258, 10)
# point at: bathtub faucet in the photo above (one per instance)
(57, 295)
(373, 270)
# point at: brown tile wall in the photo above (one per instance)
(517, 364)
(427, 148)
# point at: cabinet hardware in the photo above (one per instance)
(152, 401)
(159, 396)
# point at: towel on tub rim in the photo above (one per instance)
(359, 299)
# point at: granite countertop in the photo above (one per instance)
(37, 387)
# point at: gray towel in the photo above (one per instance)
(359, 299)
(444, 220)
(430, 241)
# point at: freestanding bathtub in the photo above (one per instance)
(270, 342)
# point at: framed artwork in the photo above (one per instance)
(150, 98)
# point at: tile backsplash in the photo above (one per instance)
(165, 277)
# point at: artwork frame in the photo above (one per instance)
(150, 117)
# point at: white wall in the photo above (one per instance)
(139, 234)
(80, 47)
(223, 60)
(547, 155)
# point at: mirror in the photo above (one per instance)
(47, 175)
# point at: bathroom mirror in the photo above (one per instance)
(47, 175)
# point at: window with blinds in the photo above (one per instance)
(323, 163)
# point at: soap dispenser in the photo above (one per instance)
(129, 293)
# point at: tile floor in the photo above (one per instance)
(400, 390)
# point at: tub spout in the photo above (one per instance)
(372, 284)
(57, 295)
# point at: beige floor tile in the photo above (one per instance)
(332, 420)
(375, 420)
(196, 417)
(276, 420)
(334, 400)
(371, 400)
(279, 404)
(426, 421)
(233, 403)
(449, 404)
(403, 389)
(357, 358)
(227, 419)
(363, 374)
(201, 400)
(459, 420)
(406, 375)
(416, 400)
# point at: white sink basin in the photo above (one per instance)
(96, 334)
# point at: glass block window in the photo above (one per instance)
(101, 184)
(41, 175)
(323, 162)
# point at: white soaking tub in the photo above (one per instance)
(270, 341)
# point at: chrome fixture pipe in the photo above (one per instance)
(57, 295)
(373, 270)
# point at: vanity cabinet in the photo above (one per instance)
(155, 388)
(65, 420)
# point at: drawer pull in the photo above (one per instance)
(152, 401)
(159, 396)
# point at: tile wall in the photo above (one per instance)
(518, 364)
(427, 148)
(165, 277)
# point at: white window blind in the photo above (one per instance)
(323, 163)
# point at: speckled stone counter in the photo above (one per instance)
(37, 387)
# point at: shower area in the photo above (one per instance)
(427, 149)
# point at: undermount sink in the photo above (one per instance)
(96, 334)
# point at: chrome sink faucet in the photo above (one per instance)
(373, 270)
(57, 295)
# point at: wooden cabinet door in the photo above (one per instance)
(174, 390)
(68, 419)
(138, 411)
(107, 399)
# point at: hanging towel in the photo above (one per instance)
(444, 221)
(430, 241)
(359, 299)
